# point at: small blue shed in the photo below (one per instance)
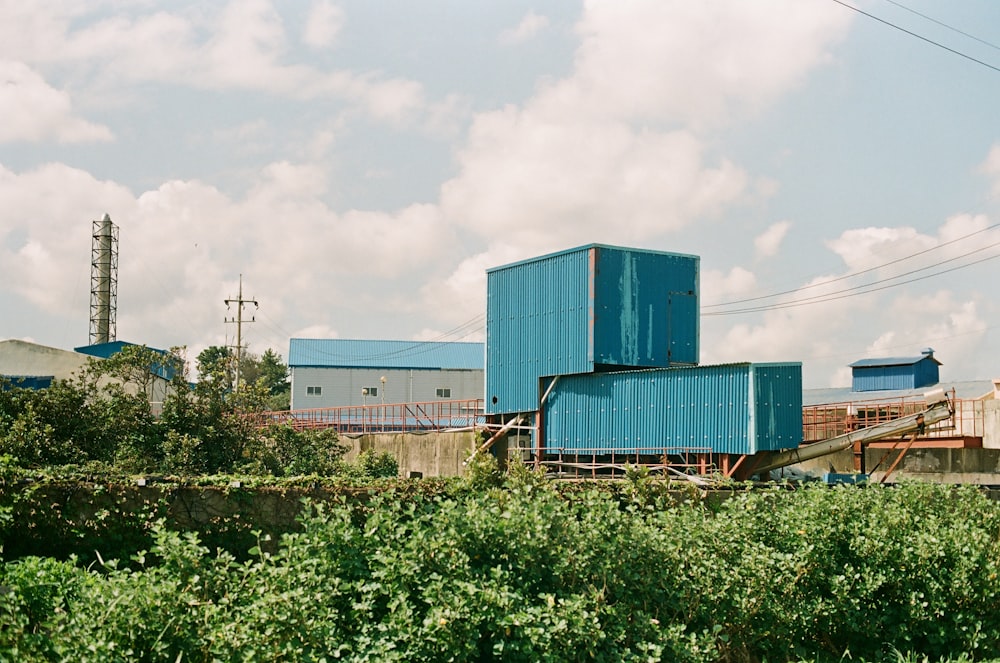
(886, 373)
(589, 309)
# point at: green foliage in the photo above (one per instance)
(483, 471)
(273, 373)
(284, 451)
(370, 465)
(544, 571)
(216, 363)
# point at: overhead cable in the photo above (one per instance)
(918, 36)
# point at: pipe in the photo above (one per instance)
(937, 411)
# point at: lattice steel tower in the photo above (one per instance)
(104, 282)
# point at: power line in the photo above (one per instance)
(918, 36)
(943, 24)
(863, 271)
(864, 289)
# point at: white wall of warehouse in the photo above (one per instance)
(342, 386)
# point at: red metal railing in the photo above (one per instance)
(384, 418)
(821, 422)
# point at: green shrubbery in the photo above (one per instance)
(104, 415)
(532, 571)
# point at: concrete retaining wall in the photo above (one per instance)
(979, 466)
(430, 454)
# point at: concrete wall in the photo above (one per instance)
(979, 466)
(431, 454)
(24, 358)
(991, 417)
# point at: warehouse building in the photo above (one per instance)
(342, 372)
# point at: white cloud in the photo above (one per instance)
(991, 167)
(769, 242)
(34, 111)
(242, 46)
(845, 325)
(184, 244)
(551, 182)
(718, 287)
(323, 25)
(699, 63)
(529, 26)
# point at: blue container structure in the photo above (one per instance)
(594, 308)
(895, 372)
(725, 409)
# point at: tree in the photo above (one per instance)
(215, 364)
(274, 373)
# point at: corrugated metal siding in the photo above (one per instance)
(894, 373)
(777, 398)
(537, 323)
(926, 372)
(342, 386)
(734, 408)
(646, 309)
(879, 378)
(587, 309)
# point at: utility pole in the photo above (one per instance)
(238, 319)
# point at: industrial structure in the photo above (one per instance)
(880, 374)
(332, 373)
(592, 365)
(104, 282)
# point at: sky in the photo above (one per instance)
(360, 165)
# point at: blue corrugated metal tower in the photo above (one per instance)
(589, 309)
(895, 372)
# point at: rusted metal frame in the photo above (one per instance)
(889, 451)
(744, 469)
(729, 471)
(515, 421)
(898, 460)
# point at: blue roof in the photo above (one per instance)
(111, 348)
(892, 361)
(587, 247)
(345, 353)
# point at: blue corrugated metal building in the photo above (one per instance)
(340, 372)
(733, 408)
(111, 348)
(593, 308)
(887, 373)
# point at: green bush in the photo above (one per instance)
(539, 571)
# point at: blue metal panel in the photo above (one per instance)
(926, 372)
(592, 308)
(733, 408)
(890, 373)
(347, 353)
(8, 382)
(777, 403)
(646, 308)
(103, 350)
(881, 378)
(538, 315)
